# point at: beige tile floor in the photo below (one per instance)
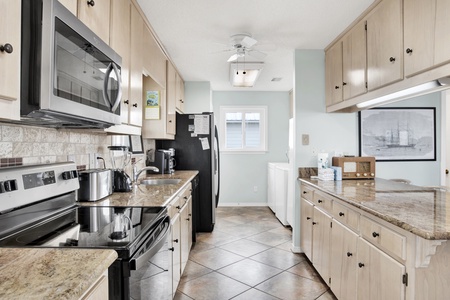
(248, 256)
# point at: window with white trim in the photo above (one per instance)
(243, 128)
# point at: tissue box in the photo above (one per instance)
(337, 173)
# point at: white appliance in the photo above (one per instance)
(291, 176)
(278, 190)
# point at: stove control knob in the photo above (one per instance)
(10, 185)
(67, 175)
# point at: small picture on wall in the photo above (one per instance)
(398, 134)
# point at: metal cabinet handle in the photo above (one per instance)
(135, 105)
(176, 240)
(409, 50)
(391, 59)
(305, 192)
(126, 102)
(8, 48)
(319, 201)
(314, 223)
(308, 218)
(349, 254)
(188, 219)
(91, 3)
(360, 265)
(178, 207)
(344, 83)
(336, 87)
(172, 249)
(341, 214)
(375, 234)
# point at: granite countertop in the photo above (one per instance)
(147, 195)
(420, 210)
(29, 273)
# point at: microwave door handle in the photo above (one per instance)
(119, 92)
(105, 85)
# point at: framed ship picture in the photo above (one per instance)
(398, 134)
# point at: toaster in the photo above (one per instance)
(95, 184)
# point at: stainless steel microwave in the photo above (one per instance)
(69, 76)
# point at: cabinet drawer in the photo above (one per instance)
(346, 215)
(323, 200)
(174, 207)
(307, 192)
(185, 194)
(384, 237)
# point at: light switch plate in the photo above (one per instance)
(305, 139)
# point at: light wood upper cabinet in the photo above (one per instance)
(419, 22)
(96, 16)
(442, 33)
(71, 5)
(385, 44)
(136, 77)
(154, 59)
(120, 41)
(171, 89)
(333, 74)
(10, 28)
(354, 61)
(179, 93)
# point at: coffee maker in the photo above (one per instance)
(120, 157)
(164, 161)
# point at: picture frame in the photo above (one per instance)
(136, 145)
(398, 133)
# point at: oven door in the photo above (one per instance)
(150, 271)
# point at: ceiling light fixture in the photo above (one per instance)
(245, 76)
(422, 89)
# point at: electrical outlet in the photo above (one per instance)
(305, 139)
(92, 160)
(255, 189)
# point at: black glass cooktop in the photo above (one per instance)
(120, 228)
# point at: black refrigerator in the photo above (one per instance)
(197, 148)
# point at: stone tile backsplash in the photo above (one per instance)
(35, 145)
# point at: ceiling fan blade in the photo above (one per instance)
(248, 42)
(256, 54)
(233, 57)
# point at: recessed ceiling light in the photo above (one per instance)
(276, 79)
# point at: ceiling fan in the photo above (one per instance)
(242, 44)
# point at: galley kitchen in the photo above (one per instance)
(198, 150)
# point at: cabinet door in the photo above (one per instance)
(71, 5)
(306, 219)
(385, 44)
(354, 61)
(343, 263)
(176, 253)
(10, 29)
(379, 276)
(442, 34)
(184, 222)
(135, 102)
(333, 74)
(171, 98)
(179, 93)
(321, 243)
(154, 60)
(96, 16)
(120, 41)
(419, 21)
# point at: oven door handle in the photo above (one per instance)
(137, 262)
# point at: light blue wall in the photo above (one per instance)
(197, 96)
(240, 173)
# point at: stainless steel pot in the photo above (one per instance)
(95, 184)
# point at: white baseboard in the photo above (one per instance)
(296, 249)
(243, 204)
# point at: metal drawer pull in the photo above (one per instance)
(360, 265)
(375, 234)
(176, 240)
(320, 201)
(341, 214)
(349, 254)
(308, 218)
(314, 223)
(172, 249)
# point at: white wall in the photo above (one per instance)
(240, 173)
(197, 96)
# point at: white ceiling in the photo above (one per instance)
(195, 33)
